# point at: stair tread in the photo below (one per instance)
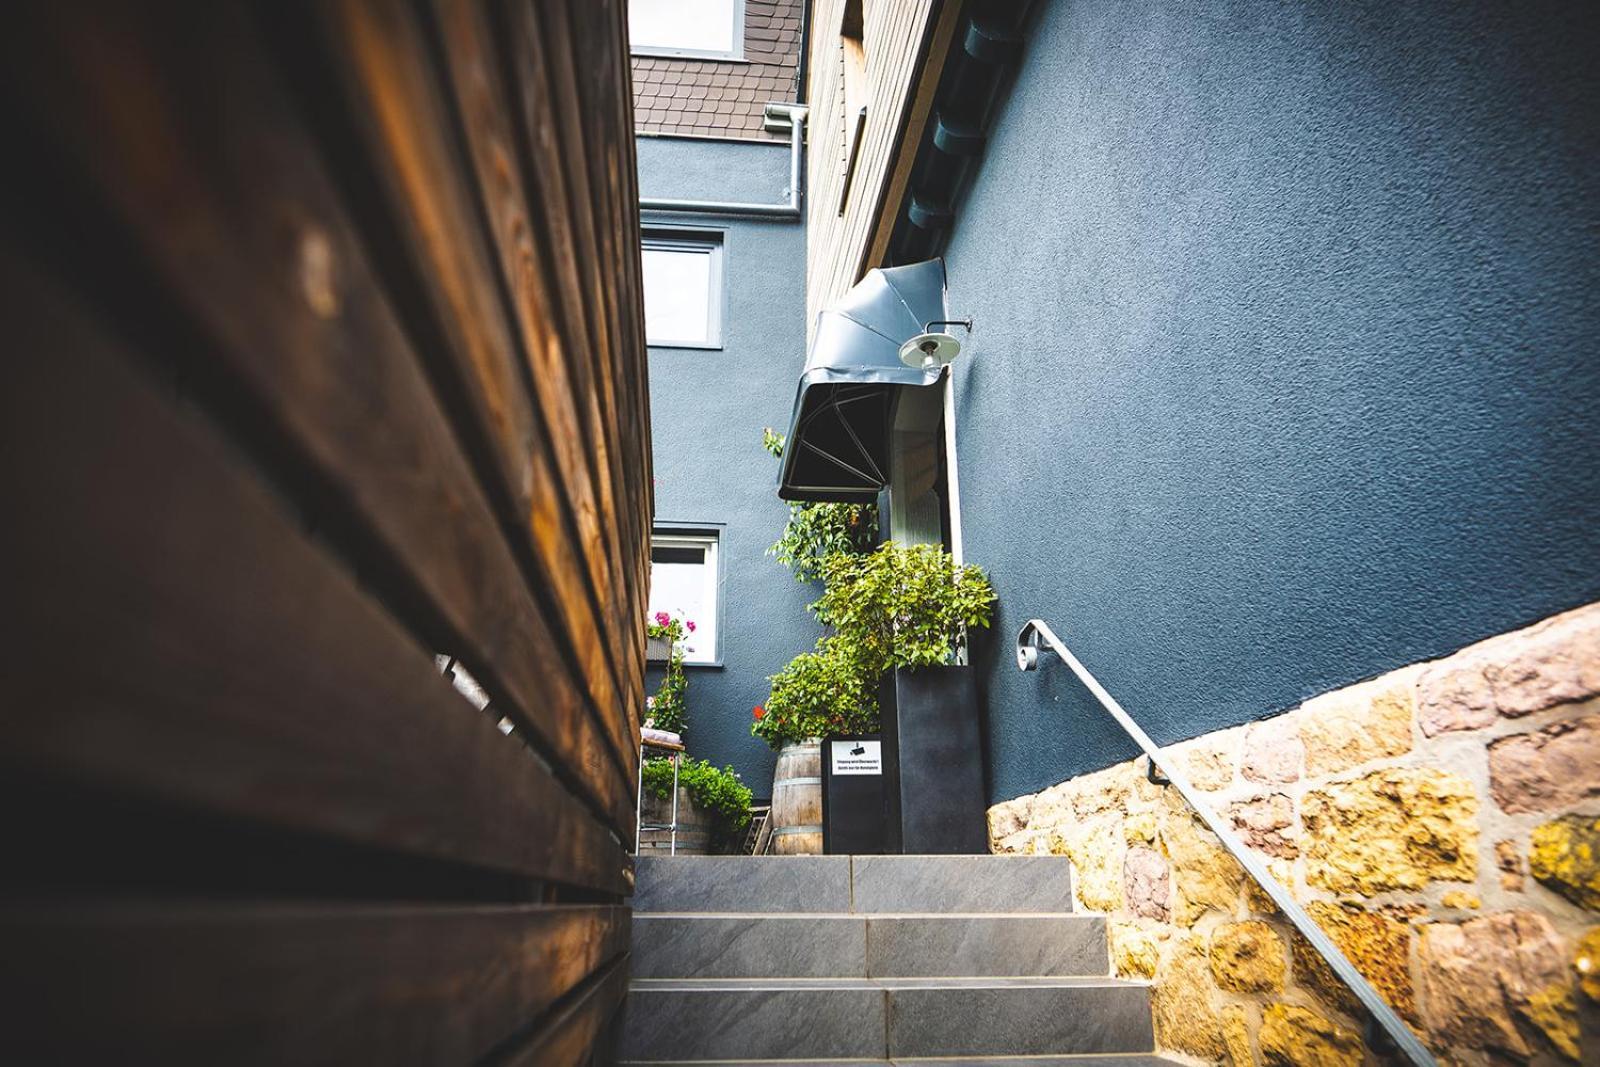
(865, 916)
(1085, 1059)
(680, 985)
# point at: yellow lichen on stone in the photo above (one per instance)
(1399, 828)
(1236, 1036)
(1349, 727)
(1256, 899)
(1564, 854)
(1203, 873)
(1096, 850)
(1247, 957)
(1135, 951)
(1140, 829)
(1292, 1036)
(1586, 964)
(1185, 1020)
(1100, 792)
(1554, 1011)
(1457, 898)
(1379, 947)
(1209, 761)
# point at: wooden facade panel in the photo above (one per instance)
(894, 35)
(327, 359)
(216, 206)
(277, 983)
(547, 313)
(409, 128)
(568, 1039)
(220, 659)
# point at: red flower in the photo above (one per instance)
(690, 625)
(662, 618)
(759, 712)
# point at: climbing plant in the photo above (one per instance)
(816, 531)
(668, 708)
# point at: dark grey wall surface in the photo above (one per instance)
(707, 411)
(1285, 368)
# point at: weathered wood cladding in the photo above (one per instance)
(325, 356)
(895, 37)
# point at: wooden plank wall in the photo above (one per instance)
(895, 35)
(324, 358)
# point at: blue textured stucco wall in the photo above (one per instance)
(707, 411)
(1285, 370)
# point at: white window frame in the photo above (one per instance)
(710, 539)
(735, 54)
(703, 242)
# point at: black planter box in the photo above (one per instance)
(853, 798)
(933, 783)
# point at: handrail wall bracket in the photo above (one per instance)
(1035, 639)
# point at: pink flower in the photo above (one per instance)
(662, 618)
(690, 625)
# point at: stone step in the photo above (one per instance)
(1121, 1059)
(881, 1018)
(754, 945)
(853, 884)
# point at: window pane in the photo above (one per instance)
(677, 295)
(683, 583)
(686, 25)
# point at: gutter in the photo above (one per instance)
(778, 117)
(976, 74)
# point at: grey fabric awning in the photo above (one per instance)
(838, 443)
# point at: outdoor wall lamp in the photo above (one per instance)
(929, 351)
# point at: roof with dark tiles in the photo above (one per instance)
(723, 98)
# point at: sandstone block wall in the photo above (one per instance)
(1442, 824)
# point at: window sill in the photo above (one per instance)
(704, 57)
(703, 346)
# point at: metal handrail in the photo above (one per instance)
(1378, 1010)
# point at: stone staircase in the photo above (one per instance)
(873, 960)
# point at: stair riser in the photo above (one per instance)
(991, 884)
(721, 946)
(1019, 1022)
(768, 946)
(855, 884)
(873, 1023)
(986, 946)
(742, 883)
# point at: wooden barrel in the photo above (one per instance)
(694, 827)
(797, 800)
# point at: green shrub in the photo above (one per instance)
(715, 790)
(903, 605)
(827, 691)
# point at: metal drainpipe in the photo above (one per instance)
(797, 120)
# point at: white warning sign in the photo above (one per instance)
(857, 757)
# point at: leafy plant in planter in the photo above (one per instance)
(716, 790)
(821, 692)
(903, 605)
(816, 532)
(668, 708)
